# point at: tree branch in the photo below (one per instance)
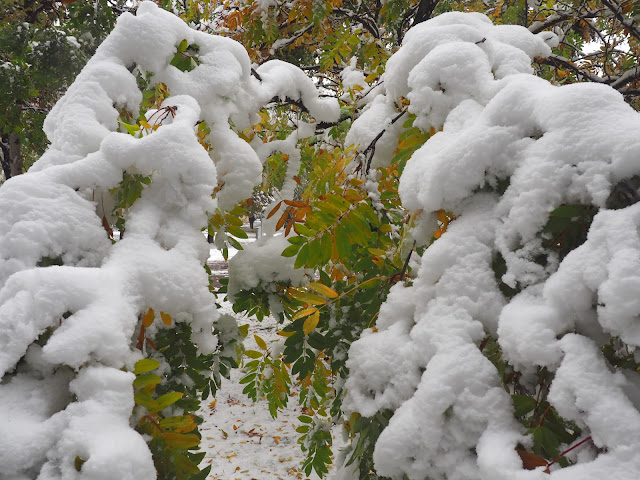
(371, 149)
(627, 23)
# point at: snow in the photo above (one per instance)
(241, 439)
(86, 313)
(555, 146)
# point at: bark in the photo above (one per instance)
(15, 156)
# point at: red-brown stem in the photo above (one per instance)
(544, 415)
(568, 450)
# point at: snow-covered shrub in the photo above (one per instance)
(519, 332)
(145, 137)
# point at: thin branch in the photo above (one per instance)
(371, 149)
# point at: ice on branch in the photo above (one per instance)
(71, 300)
(511, 155)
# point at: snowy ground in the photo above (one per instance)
(240, 438)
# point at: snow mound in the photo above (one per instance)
(512, 149)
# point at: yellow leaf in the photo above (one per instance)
(309, 298)
(562, 73)
(166, 318)
(261, 343)
(323, 290)
(442, 216)
(371, 77)
(358, 88)
(148, 318)
(304, 313)
(311, 323)
(377, 251)
(282, 333)
(145, 124)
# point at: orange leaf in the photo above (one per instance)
(282, 219)
(273, 212)
(296, 203)
(107, 227)
(297, 180)
(531, 461)
(166, 318)
(148, 318)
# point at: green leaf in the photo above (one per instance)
(523, 404)
(305, 419)
(291, 250)
(145, 365)
(303, 256)
(236, 231)
(183, 45)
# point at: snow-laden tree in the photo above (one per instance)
(146, 137)
(519, 332)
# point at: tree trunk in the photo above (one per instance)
(11, 156)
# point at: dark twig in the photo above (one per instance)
(371, 149)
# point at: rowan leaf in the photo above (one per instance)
(181, 440)
(145, 365)
(261, 343)
(274, 210)
(304, 313)
(148, 318)
(166, 318)
(308, 298)
(311, 322)
(146, 379)
(323, 289)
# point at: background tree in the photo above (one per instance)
(43, 45)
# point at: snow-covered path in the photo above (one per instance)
(241, 439)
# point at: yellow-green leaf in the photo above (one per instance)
(323, 290)
(412, 141)
(261, 343)
(244, 330)
(168, 399)
(145, 379)
(145, 365)
(311, 323)
(309, 298)
(181, 440)
(180, 423)
(252, 354)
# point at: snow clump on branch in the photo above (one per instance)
(512, 149)
(67, 330)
